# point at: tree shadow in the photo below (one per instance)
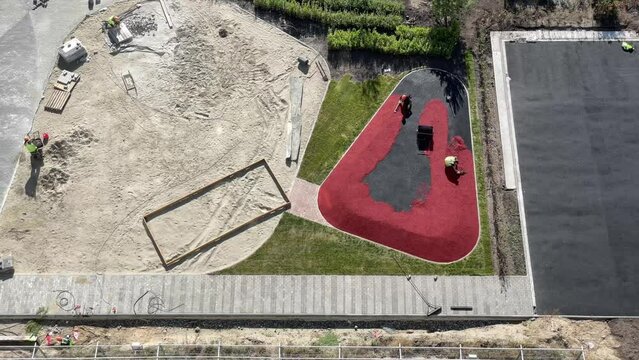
(32, 184)
(371, 88)
(364, 64)
(453, 89)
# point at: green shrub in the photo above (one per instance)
(380, 7)
(328, 339)
(337, 19)
(407, 40)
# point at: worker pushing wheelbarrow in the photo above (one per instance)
(34, 143)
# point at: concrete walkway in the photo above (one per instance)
(29, 40)
(266, 296)
(303, 198)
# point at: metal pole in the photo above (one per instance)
(157, 352)
(461, 354)
(97, 345)
(339, 351)
(219, 348)
(35, 347)
(279, 350)
(521, 352)
(400, 350)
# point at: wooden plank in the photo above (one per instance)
(68, 88)
(165, 10)
(322, 71)
(295, 117)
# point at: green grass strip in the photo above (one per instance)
(302, 247)
(478, 151)
(407, 40)
(347, 108)
(338, 19)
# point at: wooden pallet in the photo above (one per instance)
(60, 96)
(57, 101)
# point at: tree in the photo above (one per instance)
(447, 11)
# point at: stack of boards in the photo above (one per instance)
(62, 91)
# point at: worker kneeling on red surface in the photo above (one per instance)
(405, 105)
(452, 163)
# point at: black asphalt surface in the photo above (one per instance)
(575, 112)
(404, 174)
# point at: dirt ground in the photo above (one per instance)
(212, 97)
(601, 340)
(230, 205)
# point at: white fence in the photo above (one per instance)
(285, 352)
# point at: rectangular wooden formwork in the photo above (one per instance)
(230, 233)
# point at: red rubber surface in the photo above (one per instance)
(442, 227)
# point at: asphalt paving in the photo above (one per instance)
(574, 107)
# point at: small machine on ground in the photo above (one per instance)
(72, 51)
(6, 265)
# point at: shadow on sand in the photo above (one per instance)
(32, 184)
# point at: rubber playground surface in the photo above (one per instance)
(386, 191)
(575, 115)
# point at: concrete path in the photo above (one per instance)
(269, 296)
(303, 198)
(29, 40)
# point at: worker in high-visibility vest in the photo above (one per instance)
(34, 145)
(30, 146)
(627, 47)
(113, 21)
(453, 163)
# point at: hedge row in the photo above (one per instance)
(407, 40)
(337, 19)
(380, 7)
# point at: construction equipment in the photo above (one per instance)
(38, 3)
(117, 36)
(6, 265)
(424, 138)
(117, 32)
(72, 51)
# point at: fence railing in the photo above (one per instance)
(284, 352)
